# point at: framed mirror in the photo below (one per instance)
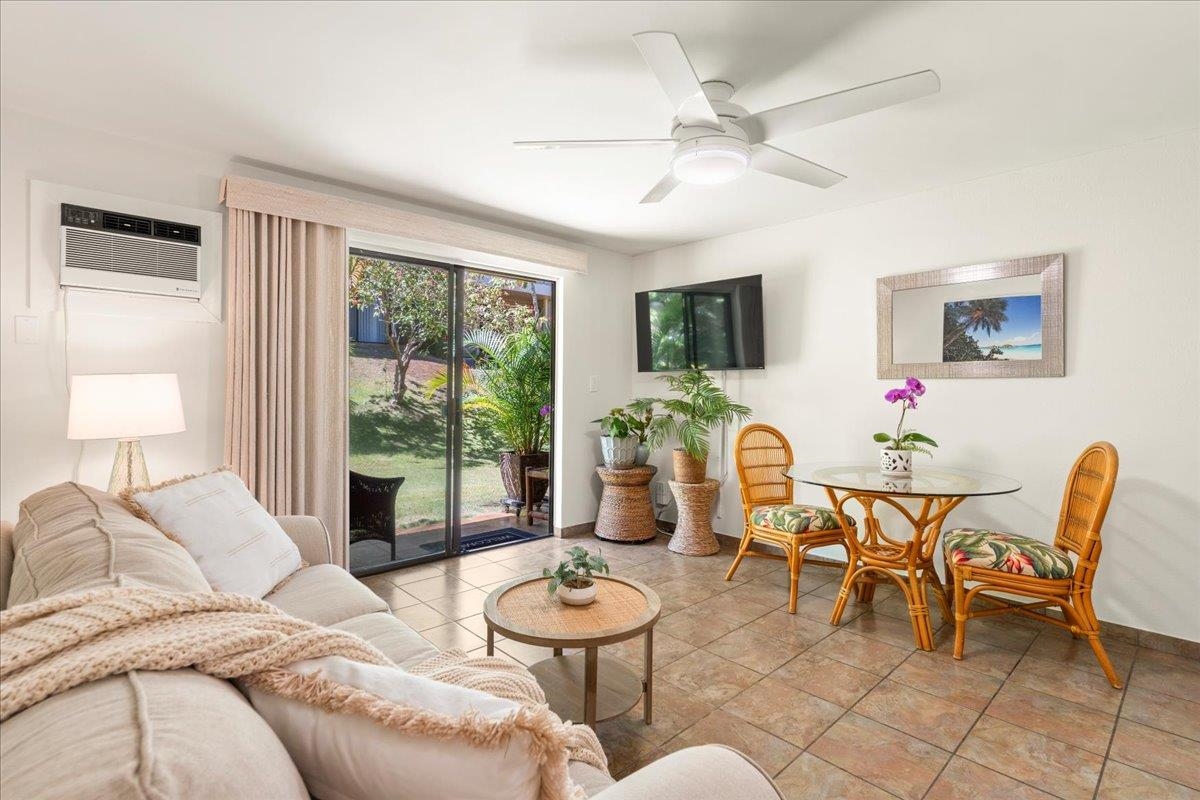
(1002, 319)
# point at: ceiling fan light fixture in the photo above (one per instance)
(710, 162)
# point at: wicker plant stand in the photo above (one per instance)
(585, 685)
(626, 514)
(693, 532)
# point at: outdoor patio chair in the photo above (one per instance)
(373, 509)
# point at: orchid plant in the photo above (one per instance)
(906, 438)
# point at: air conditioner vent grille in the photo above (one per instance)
(124, 224)
(177, 231)
(89, 249)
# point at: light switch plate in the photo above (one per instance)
(593, 383)
(26, 329)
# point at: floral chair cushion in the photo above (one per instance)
(1006, 552)
(795, 519)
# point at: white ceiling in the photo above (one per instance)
(423, 99)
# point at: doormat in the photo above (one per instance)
(474, 542)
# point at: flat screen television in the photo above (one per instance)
(716, 325)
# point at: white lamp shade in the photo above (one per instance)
(124, 406)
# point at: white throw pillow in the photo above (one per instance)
(346, 756)
(238, 546)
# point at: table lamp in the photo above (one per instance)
(125, 407)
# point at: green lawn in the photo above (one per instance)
(409, 440)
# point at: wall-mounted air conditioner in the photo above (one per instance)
(127, 253)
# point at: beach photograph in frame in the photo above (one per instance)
(993, 329)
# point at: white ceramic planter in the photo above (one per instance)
(576, 597)
(619, 452)
(896, 463)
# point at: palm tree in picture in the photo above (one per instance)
(988, 315)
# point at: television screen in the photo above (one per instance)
(717, 325)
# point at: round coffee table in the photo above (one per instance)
(584, 685)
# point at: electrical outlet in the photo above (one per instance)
(662, 495)
(593, 383)
(26, 330)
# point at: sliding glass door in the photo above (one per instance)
(450, 386)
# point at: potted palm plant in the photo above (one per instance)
(510, 381)
(700, 407)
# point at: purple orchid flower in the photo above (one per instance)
(546, 409)
(915, 387)
(895, 395)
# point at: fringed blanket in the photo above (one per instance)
(54, 644)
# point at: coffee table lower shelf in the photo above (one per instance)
(618, 688)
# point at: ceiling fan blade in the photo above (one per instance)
(666, 59)
(765, 158)
(661, 189)
(789, 119)
(573, 143)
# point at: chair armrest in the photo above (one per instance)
(710, 772)
(310, 536)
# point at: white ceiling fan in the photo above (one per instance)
(716, 141)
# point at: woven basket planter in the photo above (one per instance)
(688, 469)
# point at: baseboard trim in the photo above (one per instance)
(575, 531)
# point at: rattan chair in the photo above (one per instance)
(763, 454)
(1019, 565)
(373, 509)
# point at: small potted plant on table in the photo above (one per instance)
(574, 580)
(896, 458)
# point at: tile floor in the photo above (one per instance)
(855, 711)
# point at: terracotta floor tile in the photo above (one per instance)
(393, 595)
(994, 661)
(966, 780)
(708, 678)
(1053, 716)
(1085, 688)
(408, 575)
(867, 654)
(627, 752)
(1122, 782)
(787, 712)
(1078, 653)
(437, 586)
(674, 710)
(791, 628)
(821, 610)
(759, 653)
(1001, 633)
(760, 591)
(721, 727)
(476, 625)
(452, 636)
(420, 617)
(896, 632)
(734, 609)
(827, 678)
(1157, 752)
(810, 579)
(887, 758)
(1171, 714)
(526, 654)
(930, 719)
(810, 778)
(683, 590)
(459, 606)
(1167, 674)
(1066, 771)
(666, 650)
(947, 679)
(697, 629)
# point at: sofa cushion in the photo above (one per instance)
(791, 518)
(588, 778)
(143, 735)
(325, 594)
(1006, 552)
(397, 641)
(72, 538)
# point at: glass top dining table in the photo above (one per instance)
(925, 481)
(906, 560)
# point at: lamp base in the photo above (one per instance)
(129, 467)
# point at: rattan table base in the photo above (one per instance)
(694, 532)
(626, 514)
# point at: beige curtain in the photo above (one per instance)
(285, 374)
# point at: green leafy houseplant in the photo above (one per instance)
(577, 572)
(701, 406)
(622, 422)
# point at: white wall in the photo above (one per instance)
(143, 334)
(1127, 220)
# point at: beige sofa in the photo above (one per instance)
(182, 734)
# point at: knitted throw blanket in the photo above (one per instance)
(51, 645)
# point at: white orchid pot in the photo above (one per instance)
(620, 452)
(573, 596)
(896, 463)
